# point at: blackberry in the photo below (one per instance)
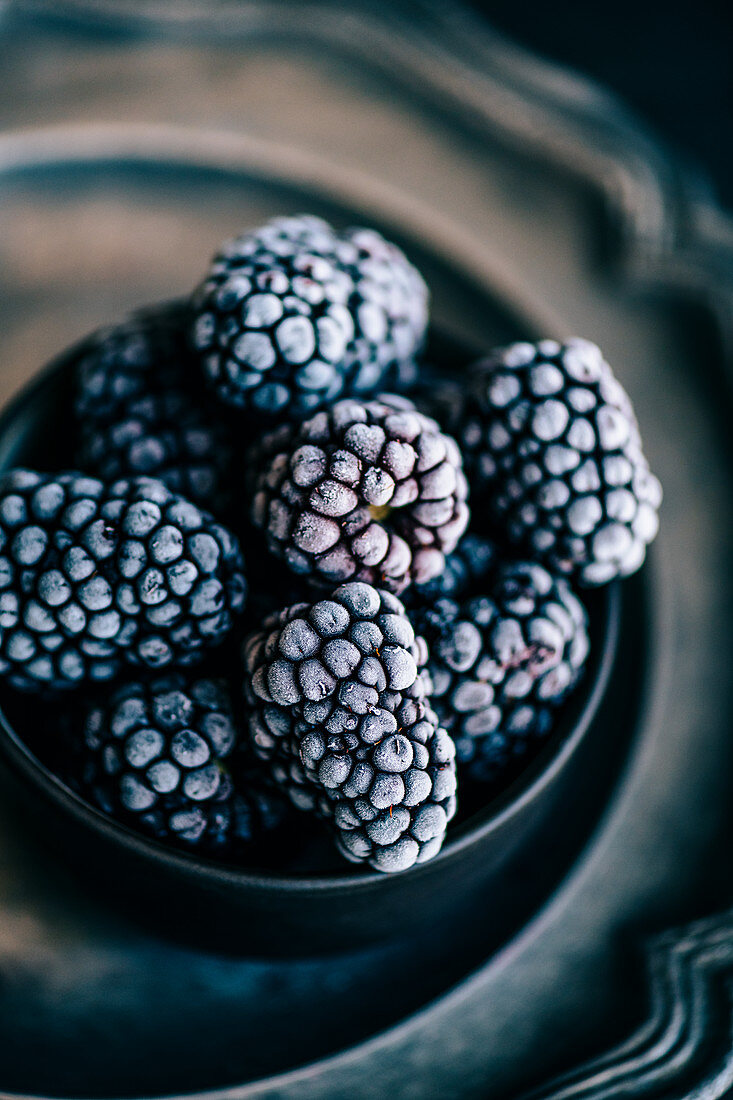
(158, 756)
(142, 409)
(343, 651)
(390, 307)
(368, 491)
(556, 442)
(501, 663)
(93, 574)
(338, 710)
(293, 314)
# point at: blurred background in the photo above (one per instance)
(672, 63)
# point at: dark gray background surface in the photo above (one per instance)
(672, 63)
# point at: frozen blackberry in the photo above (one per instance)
(293, 314)
(338, 710)
(272, 730)
(501, 663)
(390, 800)
(556, 443)
(336, 656)
(367, 491)
(93, 574)
(142, 409)
(158, 755)
(390, 307)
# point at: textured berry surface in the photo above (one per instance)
(142, 409)
(92, 574)
(390, 307)
(293, 314)
(501, 663)
(556, 443)
(157, 755)
(338, 710)
(364, 490)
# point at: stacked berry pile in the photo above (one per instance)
(394, 645)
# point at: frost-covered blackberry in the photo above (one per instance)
(501, 663)
(142, 409)
(342, 652)
(293, 314)
(93, 574)
(555, 440)
(364, 490)
(158, 755)
(338, 711)
(390, 306)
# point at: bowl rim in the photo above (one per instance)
(524, 789)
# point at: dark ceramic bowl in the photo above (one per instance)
(499, 854)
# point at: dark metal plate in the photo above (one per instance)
(159, 995)
(519, 232)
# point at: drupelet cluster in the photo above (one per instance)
(365, 490)
(142, 409)
(556, 446)
(500, 664)
(160, 755)
(294, 314)
(96, 574)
